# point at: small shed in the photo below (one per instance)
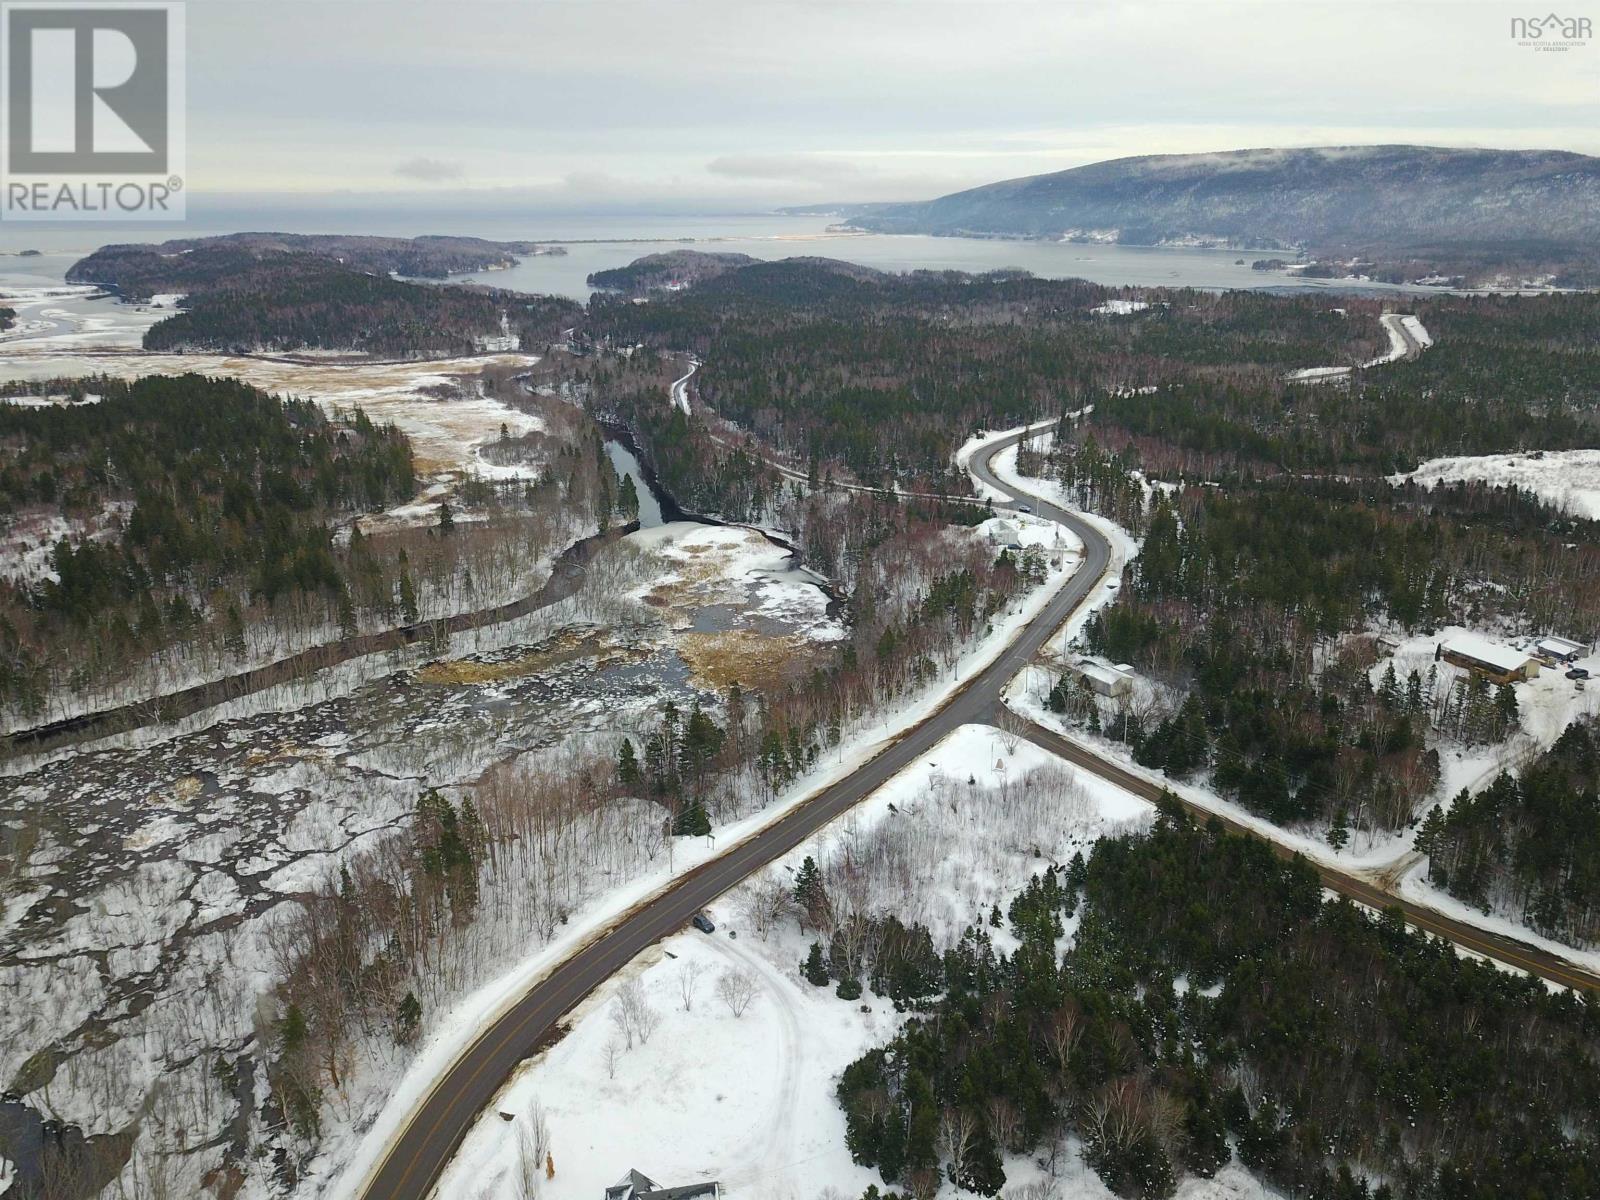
(1560, 649)
(1496, 663)
(1103, 680)
(1003, 532)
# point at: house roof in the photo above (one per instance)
(1105, 674)
(637, 1186)
(1490, 654)
(1559, 646)
(631, 1186)
(679, 1193)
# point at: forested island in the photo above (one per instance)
(285, 294)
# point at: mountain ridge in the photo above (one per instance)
(1471, 208)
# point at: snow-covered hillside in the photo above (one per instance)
(1568, 480)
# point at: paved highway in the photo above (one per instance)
(434, 1130)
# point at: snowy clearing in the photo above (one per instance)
(968, 824)
(1119, 308)
(1568, 480)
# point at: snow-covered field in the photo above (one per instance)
(446, 434)
(57, 318)
(1119, 308)
(748, 1100)
(1568, 480)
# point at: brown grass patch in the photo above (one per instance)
(564, 648)
(700, 578)
(740, 656)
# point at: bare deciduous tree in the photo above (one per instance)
(1004, 1121)
(533, 1143)
(688, 976)
(765, 905)
(737, 989)
(1011, 728)
(637, 1018)
(923, 1182)
(957, 1129)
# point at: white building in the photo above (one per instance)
(1102, 680)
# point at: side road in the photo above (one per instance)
(423, 1146)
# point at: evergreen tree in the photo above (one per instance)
(808, 892)
(693, 821)
(814, 969)
(1339, 832)
(627, 765)
(408, 597)
(407, 1020)
(628, 499)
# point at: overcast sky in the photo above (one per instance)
(719, 105)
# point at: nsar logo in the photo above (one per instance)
(1552, 32)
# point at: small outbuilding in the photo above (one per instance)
(1559, 649)
(1496, 663)
(1103, 680)
(1004, 533)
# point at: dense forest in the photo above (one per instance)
(1520, 373)
(1274, 544)
(884, 375)
(193, 490)
(139, 270)
(208, 528)
(254, 293)
(1248, 601)
(289, 303)
(674, 269)
(1212, 1004)
(1529, 842)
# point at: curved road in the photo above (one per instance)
(435, 1128)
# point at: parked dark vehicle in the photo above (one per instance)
(703, 923)
(1578, 673)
